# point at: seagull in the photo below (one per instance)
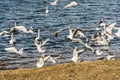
(40, 47)
(43, 59)
(76, 53)
(71, 4)
(71, 33)
(21, 28)
(12, 40)
(14, 50)
(46, 11)
(51, 3)
(111, 56)
(39, 44)
(98, 51)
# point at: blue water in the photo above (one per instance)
(32, 13)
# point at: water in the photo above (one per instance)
(32, 13)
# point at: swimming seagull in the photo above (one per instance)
(14, 50)
(71, 4)
(76, 53)
(43, 59)
(46, 11)
(51, 3)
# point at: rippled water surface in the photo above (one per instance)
(32, 13)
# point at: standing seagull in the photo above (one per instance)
(43, 59)
(71, 4)
(76, 53)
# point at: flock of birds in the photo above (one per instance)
(103, 37)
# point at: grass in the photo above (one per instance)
(96, 70)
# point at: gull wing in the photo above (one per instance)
(44, 42)
(46, 2)
(11, 49)
(51, 59)
(80, 32)
(112, 25)
(21, 28)
(73, 3)
(88, 47)
(81, 51)
(58, 31)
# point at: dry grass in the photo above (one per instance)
(96, 70)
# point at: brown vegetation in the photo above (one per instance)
(96, 70)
